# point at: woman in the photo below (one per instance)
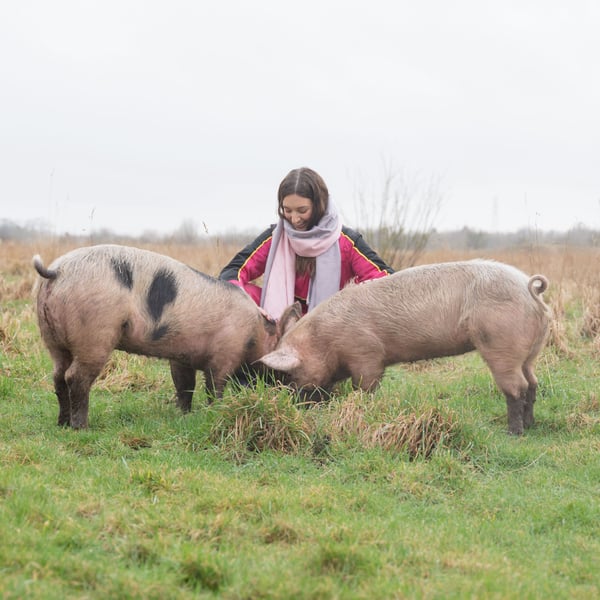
(308, 255)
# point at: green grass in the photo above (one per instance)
(253, 497)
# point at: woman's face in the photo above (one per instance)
(297, 211)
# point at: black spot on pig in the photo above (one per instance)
(123, 271)
(159, 333)
(163, 290)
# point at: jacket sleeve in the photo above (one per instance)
(249, 263)
(365, 263)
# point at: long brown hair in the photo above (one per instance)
(308, 184)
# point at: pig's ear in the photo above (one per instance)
(281, 360)
(291, 315)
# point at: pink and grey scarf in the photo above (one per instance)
(279, 279)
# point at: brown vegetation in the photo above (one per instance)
(574, 291)
(415, 434)
(257, 424)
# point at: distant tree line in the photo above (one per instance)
(473, 239)
(460, 239)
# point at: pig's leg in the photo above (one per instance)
(506, 364)
(532, 381)
(79, 378)
(62, 361)
(212, 387)
(515, 404)
(368, 377)
(216, 375)
(216, 379)
(512, 382)
(184, 379)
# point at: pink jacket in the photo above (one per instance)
(359, 263)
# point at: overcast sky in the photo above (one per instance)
(143, 115)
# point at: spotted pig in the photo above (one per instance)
(94, 300)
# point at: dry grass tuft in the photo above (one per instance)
(591, 322)
(115, 375)
(418, 435)
(256, 421)
(128, 372)
(16, 289)
(135, 442)
(415, 434)
(586, 414)
(590, 298)
(558, 339)
(349, 419)
(11, 332)
(591, 315)
(279, 532)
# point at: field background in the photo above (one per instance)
(414, 492)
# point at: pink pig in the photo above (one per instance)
(420, 313)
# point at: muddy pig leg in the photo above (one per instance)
(508, 373)
(515, 405)
(184, 379)
(79, 378)
(530, 397)
(62, 361)
(514, 386)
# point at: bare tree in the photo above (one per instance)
(398, 220)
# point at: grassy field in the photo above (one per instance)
(414, 492)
